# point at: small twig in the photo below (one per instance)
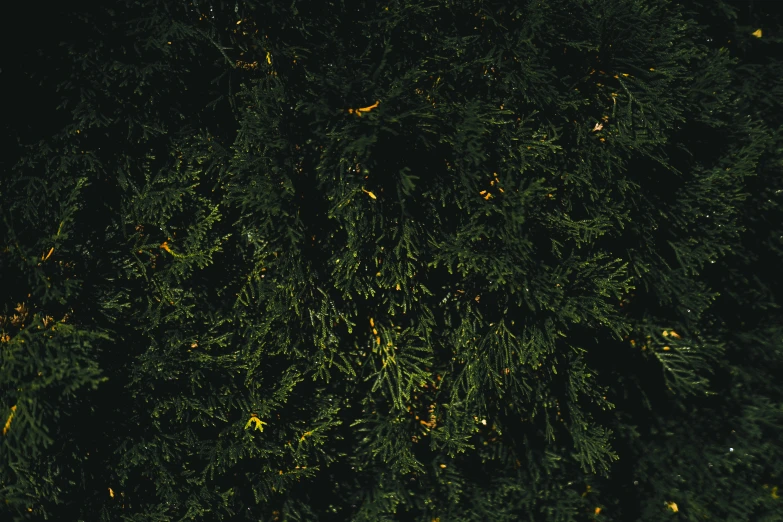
(219, 48)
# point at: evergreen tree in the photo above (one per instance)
(451, 260)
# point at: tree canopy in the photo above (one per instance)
(413, 260)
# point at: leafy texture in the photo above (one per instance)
(414, 260)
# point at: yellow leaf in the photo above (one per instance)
(364, 109)
(8, 422)
(370, 194)
(672, 506)
(757, 33)
(369, 108)
(258, 422)
(111, 493)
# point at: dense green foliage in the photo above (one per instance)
(407, 260)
